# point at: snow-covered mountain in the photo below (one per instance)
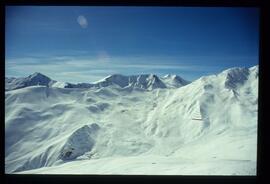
(32, 80)
(136, 81)
(146, 81)
(207, 127)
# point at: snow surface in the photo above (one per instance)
(135, 125)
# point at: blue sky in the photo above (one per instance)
(85, 44)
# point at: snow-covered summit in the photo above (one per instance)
(237, 76)
(32, 80)
(145, 81)
(38, 79)
(254, 70)
(117, 79)
(174, 80)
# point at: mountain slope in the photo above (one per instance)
(206, 127)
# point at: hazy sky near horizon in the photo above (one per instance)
(85, 44)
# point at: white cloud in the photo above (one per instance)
(82, 21)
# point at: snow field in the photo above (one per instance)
(206, 127)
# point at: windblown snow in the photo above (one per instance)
(140, 124)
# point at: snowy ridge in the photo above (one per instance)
(109, 130)
(146, 81)
(150, 81)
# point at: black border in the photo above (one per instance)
(263, 99)
(67, 179)
(137, 2)
(263, 103)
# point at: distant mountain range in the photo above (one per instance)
(145, 81)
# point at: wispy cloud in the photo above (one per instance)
(90, 69)
(82, 21)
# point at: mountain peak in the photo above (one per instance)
(114, 77)
(37, 75)
(235, 76)
(254, 69)
(38, 78)
(144, 81)
(173, 80)
(169, 76)
(32, 80)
